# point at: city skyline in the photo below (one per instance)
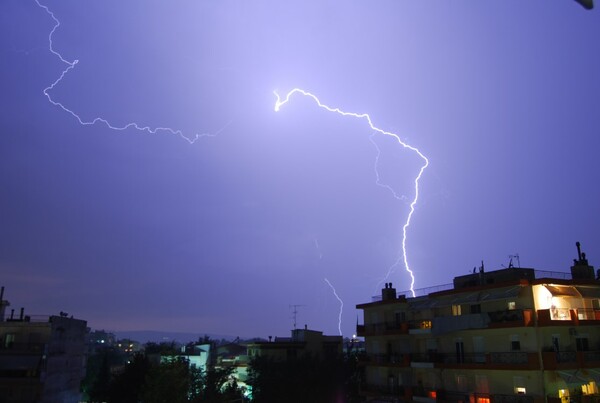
(146, 230)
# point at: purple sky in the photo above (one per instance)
(131, 230)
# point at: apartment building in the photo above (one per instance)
(42, 358)
(511, 335)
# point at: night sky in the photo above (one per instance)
(132, 230)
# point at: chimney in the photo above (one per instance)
(388, 292)
(581, 269)
(21, 315)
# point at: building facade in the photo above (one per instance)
(42, 359)
(511, 335)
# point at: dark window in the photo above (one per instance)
(515, 345)
(582, 344)
(476, 308)
(460, 352)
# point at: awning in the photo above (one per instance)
(562, 290)
(589, 292)
(575, 377)
(493, 295)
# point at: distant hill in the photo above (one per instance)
(144, 336)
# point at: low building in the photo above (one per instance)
(302, 343)
(42, 358)
(511, 335)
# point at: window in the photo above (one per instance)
(515, 343)
(582, 343)
(564, 395)
(555, 342)
(456, 310)
(596, 304)
(9, 339)
(460, 351)
(589, 388)
(476, 308)
(519, 384)
(482, 384)
(461, 383)
(400, 317)
(512, 305)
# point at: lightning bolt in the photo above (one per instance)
(70, 65)
(341, 306)
(403, 258)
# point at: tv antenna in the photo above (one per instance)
(515, 257)
(295, 312)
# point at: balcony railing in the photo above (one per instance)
(559, 359)
(382, 328)
(590, 357)
(588, 314)
(512, 357)
(22, 348)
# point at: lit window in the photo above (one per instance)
(520, 390)
(456, 310)
(590, 388)
(564, 395)
(483, 400)
(512, 305)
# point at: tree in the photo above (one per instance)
(171, 382)
(305, 379)
(127, 387)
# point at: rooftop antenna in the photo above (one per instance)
(515, 257)
(295, 312)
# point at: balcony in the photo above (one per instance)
(568, 316)
(387, 360)
(587, 314)
(381, 329)
(495, 360)
(553, 360)
(556, 317)
(422, 326)
(22, 348)
(589, 359)
(511, 318)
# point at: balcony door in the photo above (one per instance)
(479, 349)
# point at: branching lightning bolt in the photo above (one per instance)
(403, 258)
(71, 65)
(341, 306)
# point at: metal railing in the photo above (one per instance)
(22, 347)
(512, 357)
(418, 292)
